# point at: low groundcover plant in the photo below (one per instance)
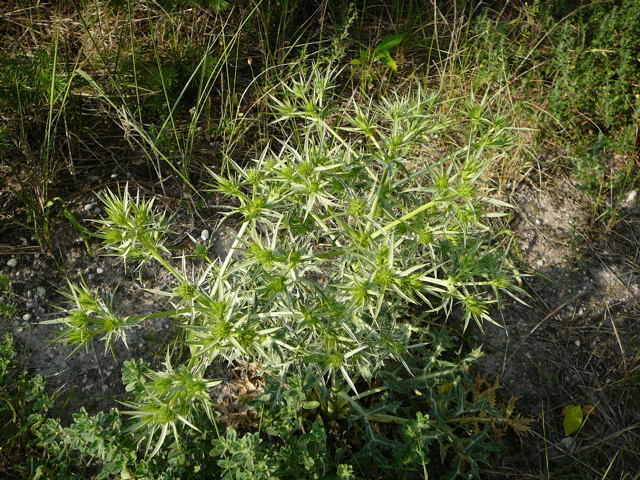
(355, 243)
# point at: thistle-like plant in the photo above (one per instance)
(166, 399)
(88, 316)
(345, 227)
(132, 228)
(352, 237)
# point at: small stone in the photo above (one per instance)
(12, 263)
(630, 199)
(567, 443)
(114, 175)
(577, 343)
(204, 235)
(99, 270)
(41, 291)
(88, 207)
(26, 317)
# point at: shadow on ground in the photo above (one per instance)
(577, 343)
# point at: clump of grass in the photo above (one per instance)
(64, 94)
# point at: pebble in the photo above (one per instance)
(577, 343)
(568, 443)
(88, 207)
(40, 291)
(204, 235)
(12, 263)
(99, 270)
(26, 317)
(630, 199)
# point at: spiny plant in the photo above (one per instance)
(351, 240)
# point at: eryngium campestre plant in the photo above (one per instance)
(353, 234)
(348, 227)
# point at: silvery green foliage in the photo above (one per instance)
(349, 228)
(345, 226)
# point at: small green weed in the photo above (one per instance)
(23, 408)
(7, 307)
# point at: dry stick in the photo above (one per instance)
(567, 453)
(606, 440)
(615, 331)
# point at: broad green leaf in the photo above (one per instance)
(392, 41)
(573, 417)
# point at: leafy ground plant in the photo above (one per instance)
(354, 242)
(23, 408)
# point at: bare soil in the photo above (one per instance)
(577, 341)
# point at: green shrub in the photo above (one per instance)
(595, 69)
(352, 240)
(577, 67)
(23, 408)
